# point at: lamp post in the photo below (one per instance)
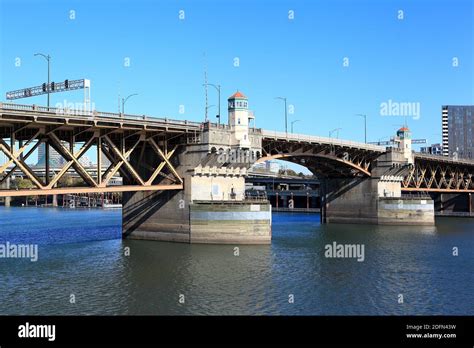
(48, 59)
(218, 88)
(365, 125)
(208, 107)
(124, 100)
(292, 122)
(286, 114)
(335, 130)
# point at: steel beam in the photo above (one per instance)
(69, 190)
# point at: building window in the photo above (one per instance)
(238, 121)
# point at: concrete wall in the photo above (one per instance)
(230, 223)
(404, 211)
(210, 188)
(389, 189)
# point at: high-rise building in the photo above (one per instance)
(444, 121)
(55, 159)
(458, 130)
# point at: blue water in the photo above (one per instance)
(81, 253)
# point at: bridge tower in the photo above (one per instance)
(404, 143)
(239, 119)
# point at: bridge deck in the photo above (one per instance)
(321, 140)
(16, 113)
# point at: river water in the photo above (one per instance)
(83, 268)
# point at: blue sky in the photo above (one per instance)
(403, 60)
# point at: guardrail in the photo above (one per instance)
(323, 140)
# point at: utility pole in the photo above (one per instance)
(218, 88)
(48, 59)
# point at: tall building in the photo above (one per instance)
(458, 130)
(55, 159)
(444, 121)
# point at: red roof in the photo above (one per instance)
(238, 95)
(404, 129)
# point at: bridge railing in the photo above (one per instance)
(324, 140)
(442, 158)
(71, 113)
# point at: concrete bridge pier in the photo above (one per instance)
(376, 199)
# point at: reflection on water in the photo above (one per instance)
(81, 254)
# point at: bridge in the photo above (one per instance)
(185, 181)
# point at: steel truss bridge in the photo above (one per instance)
(72, 133)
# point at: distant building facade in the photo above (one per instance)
(267, 166)
(458, 131)
(434, 149)
(55, 159)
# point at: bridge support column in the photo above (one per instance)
(8, 200)
(470, 203)
(359, 201)
(55, 200)
(377, 199)
(349, 201)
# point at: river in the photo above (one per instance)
(83, 268)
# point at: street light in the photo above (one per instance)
(335, 130)
(286, 114)
(125, 100)
(365, 125)
(292, 122)
(218, 88)
(208, 107)
(48, 59)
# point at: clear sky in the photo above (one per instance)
(417, 51)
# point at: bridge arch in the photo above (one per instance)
(323, 165)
